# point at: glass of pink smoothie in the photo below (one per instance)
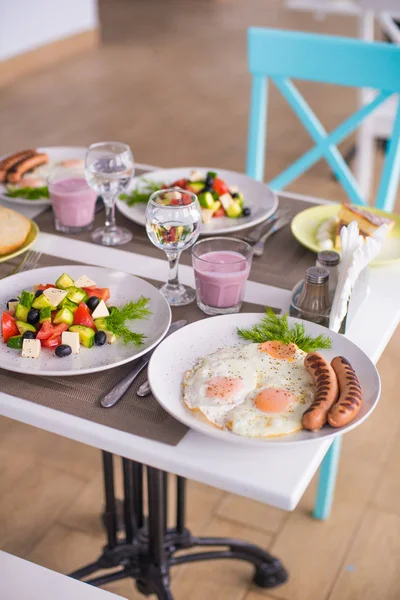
(72, 199)
(221, 269)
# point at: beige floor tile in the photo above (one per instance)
(13, 468)
(29, 510)
(371, 568)
(387, 492)
(202, 501)
(251, 513)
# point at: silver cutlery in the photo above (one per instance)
(144, 389)
(258, 248)
(29, 262)
(112, 397)
(258, 231)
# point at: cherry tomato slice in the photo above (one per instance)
(8, 326)
(49, 331)
(220, 187)
(52, 342)
(82, 316)
(102, 293)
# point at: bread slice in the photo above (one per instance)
(14, 229)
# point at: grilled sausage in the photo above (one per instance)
(9, 161)
(16, 172)
(350, 399)
(327, 391)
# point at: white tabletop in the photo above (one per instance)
(276, 476)
(23, 580)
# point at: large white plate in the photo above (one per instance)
(262, 201)
(56, 154)
(180, 351)
(123, 288)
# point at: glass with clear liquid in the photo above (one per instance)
(173, 221)
(109, 168)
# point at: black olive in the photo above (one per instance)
(29, 335)
(210, 182)
(246, 212)
(38, 293)
(33, 316)
(235, 195)
(92, 302)
(100, 338)
(11, 300)
(63, 350)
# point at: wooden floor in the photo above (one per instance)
(171, 81)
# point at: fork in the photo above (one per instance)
(258, 248)
(29, 262)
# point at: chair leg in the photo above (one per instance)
(327, 479)
(365, 159)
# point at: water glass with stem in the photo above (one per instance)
(173, 221)
(109, 168)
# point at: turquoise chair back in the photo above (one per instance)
(281, 55)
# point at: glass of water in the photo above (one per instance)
(109, 168)
(173, 221)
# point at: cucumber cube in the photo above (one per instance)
(22, 327)
(45, 314)
(64, 282)
(64, 315)
(68, 304)
(41, 302)
(21, 312)
(86, 335)
(27, 298)
(76, 295)
(101, 324)
(15, 342)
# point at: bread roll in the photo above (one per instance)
(14, 229)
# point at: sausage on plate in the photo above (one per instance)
(9, 161)
(16, 172)
(349, 403)
(326, 393)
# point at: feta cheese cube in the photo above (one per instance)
(11, 307)
(100, 311)
(196, 176)
(71, 338)
(234, 189)
(31, 348)
(206, 214)
(226, 200)
(173, 196)
(55, 296)
(110, 337)
(84, 281)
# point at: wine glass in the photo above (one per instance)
(173, 221)
(109, 168)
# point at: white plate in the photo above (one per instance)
(180, 352)
(257, 196)
(123, 288)
(56, 154)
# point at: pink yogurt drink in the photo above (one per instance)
(221, 277)
(73, 203)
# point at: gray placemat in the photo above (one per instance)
(283, 263)
(80, 395)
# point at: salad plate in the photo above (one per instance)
(180, 352)
(57, 155)
(253, 199)
(123, 288)
(30, 240)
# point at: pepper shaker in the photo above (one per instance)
(313, 302)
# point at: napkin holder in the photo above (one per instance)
(359, 294)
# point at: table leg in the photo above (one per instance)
(327, 480)
(146, 548)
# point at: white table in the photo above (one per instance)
(23, 580)
(285, 473)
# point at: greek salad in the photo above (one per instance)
(66, 316)
(216, 198)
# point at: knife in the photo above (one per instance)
(112, 397)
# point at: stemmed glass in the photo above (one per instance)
(109, 168)
(173, 221)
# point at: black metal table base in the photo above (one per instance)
(145, 549)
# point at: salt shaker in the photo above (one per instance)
(329, 259)
(313, 302)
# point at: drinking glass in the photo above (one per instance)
(72, 200)
(109, 168)
(173, 221)
(221, 269)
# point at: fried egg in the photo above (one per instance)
(253, 390)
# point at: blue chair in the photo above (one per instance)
(279, 55)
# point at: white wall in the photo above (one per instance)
(28, 24)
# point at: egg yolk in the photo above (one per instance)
(223, 387)
(274, 400)
(277, 349)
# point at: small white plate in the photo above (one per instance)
(262, 201)
(180, 352)
(56, 154)
(123, 288)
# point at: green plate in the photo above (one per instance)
(32, 235)
(306, 223)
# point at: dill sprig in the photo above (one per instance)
(141, 193)
(128, 312)
(274, 327)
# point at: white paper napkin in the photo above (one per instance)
(357, 253)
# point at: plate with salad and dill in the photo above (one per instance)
(263, 379)
(78, 319)
(229, 201)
